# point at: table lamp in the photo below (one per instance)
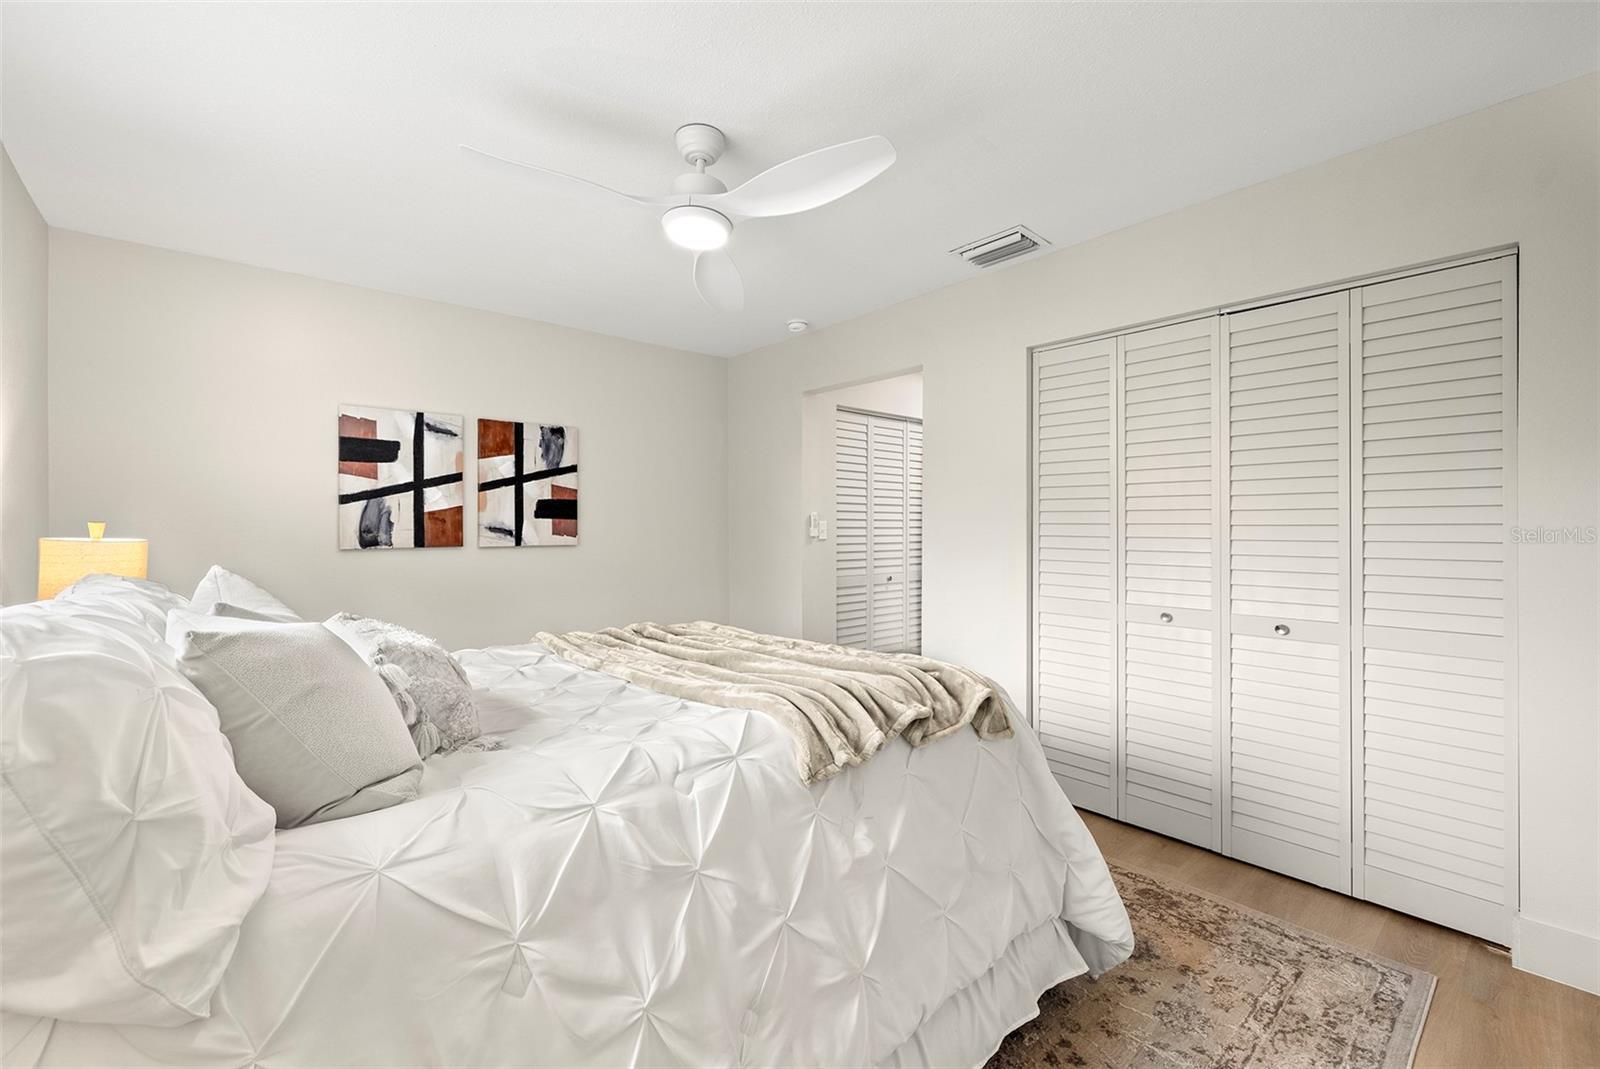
(63, 561)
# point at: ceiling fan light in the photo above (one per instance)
(696, 228)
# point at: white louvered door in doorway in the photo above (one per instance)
(1436, 763)
(1286, 493)
(914, 535)
(888, 533)
(878, 531)
(1169, 549)
(851, 624)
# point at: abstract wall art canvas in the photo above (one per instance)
(401, 478)
(527, 484)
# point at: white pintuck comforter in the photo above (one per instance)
(640, 880)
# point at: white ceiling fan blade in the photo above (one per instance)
(581, 181)
(808, 181)
(718, 281)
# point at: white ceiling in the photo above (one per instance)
(321, 139)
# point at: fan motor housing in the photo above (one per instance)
(700, 143)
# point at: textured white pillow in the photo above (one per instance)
(443, 717)
(130, 849)
(221, 590)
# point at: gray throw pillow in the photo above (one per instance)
(431, 689)
(313, 729)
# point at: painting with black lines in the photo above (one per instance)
(401, 478)
(527, 484)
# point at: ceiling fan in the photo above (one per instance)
(701, 210)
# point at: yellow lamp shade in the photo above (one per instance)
(63, 561)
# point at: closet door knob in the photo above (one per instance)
(1166, 618)
(1280, 629)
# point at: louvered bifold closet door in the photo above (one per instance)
(850, 529)
(1287, 490)
(889, 533)
(1435, 740)
(1074, 609)
(1169, 442)
(914, 562)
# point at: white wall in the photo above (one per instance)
(24, 438)
(194, 401)
(1524, 171)
(900, 395)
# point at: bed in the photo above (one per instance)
(640, 880)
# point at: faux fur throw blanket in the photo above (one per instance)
(840, 704)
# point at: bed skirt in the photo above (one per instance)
(969, 1026)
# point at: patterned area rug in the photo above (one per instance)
(1216, 984)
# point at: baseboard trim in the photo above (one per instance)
(1566, 957)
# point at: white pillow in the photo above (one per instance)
(182, 621)
(130, 849)
(221, 590)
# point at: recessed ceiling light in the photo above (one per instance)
(798, 326)
(700, 229)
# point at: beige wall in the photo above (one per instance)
(900, 395)
(193, 401)
(24, 438)
(1524, 171)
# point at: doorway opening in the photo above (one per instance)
(861, 480)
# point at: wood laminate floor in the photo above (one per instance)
(1485, 1014)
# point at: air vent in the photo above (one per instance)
(998, 248)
